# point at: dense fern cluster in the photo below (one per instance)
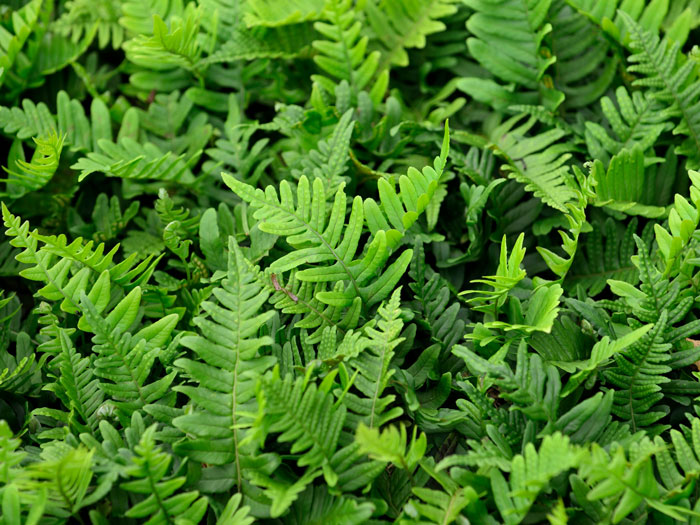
(350, 261)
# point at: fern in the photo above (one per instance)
(80, 16)
(638, 122)
(22, 25)
(161, 504)
(404, 25)
(128, 159)
(539, 162)
(342, 55)
(167, 47)
(225, 397)
(372, 366)
(656, 60)
(531, 472)
(124, 360)
(30, 176)
(515, 55)
(77, 388)
(586, 62)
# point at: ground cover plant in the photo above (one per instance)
(350, 261)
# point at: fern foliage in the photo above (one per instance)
(349, 262)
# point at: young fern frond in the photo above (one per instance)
(51, 259)
(124, 360)
(531, 473)
(230, 365)
(321, 239)
(129, 159)
(168, 47)
(605, 254)
(33, 175)
(624, 186)
(586, 61)
(36, 120)
(81, 16)
(77, 388)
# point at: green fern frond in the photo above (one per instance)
(586, 62)
(124, 361)
(342, 56)
(33, 175)
(605, 254)
(531, 473)
(401, 25)
(162, 502)
(539, 162)
(671, 83)
(129, 159)
(515, 54)
(322, 240)
(22, 24)
(77, 388)
(305, 415)
(638, 122)
(229, 347)
(274, 13)
(80, 16)
(372, 366)
(174, 46)
(63, 479)
(625, 186)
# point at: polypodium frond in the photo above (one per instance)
(228, 346)
(30, 176)
(161, 502)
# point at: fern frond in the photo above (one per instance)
(513, 53)
(531, 473)
(162, 502)
(638, 122)
(129, 159)
(672, 84)
(326, 240)
(401, 25)
(51, 259)
(586, 62)
(605, 254)
(36, 120)
(124, 360)
(167, 47)
(33, 175)
(62, 479)
(22, 24)
(230, 365)
(342, 56)
(80, 16)
(625, 186)
(274, 13)
(317, 505)
(372, 366)
(77, 388)
(539, 161)
(305, 415)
